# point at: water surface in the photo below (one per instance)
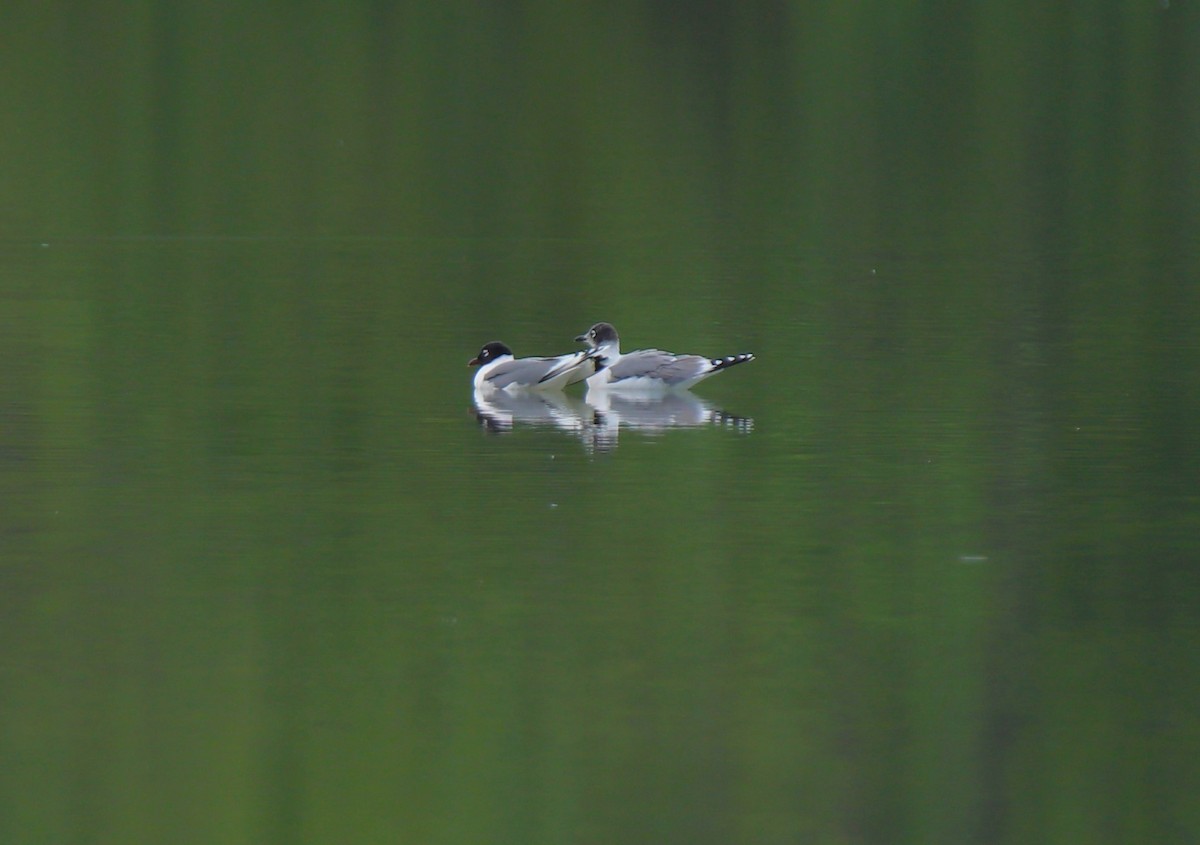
(924, 571)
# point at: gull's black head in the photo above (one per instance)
(489, 353)
(598, 335)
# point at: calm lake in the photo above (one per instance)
(925, 571)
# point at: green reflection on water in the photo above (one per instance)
(265, 579)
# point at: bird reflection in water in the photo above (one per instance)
(599, 420)
(500, 411)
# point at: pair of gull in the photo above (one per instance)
(601, 365)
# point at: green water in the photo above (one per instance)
(925, 571)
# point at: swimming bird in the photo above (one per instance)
(647, 370)
(499, 370)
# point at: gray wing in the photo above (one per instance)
(654, 363)
(582, 364)
(521, 371)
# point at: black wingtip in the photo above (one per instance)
(731, 360)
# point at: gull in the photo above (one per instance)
(647, 370)
(499, 370)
